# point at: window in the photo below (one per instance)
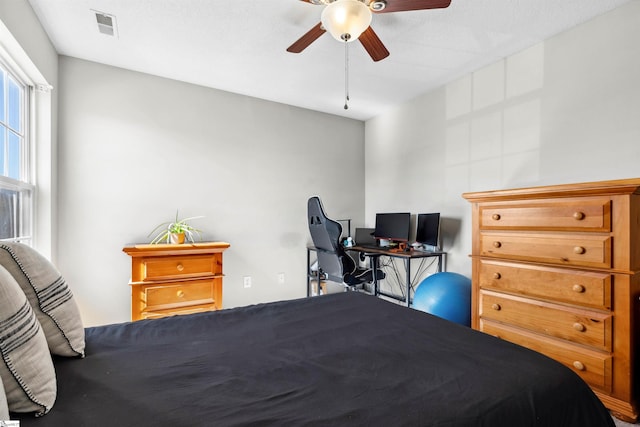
(16, 188)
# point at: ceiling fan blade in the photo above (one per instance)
(304, 41)
(404, 5)
(373, 45)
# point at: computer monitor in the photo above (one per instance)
(428, 229)
(393, 226)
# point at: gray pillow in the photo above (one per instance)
(4, 410)
(27, 372)
(49, 296)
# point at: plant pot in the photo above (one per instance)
(176, 238)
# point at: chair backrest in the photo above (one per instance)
(325, 234)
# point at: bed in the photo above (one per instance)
(345, 359)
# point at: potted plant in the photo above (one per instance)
(175, 231)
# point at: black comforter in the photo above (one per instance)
(338, 360)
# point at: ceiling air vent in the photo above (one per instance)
(106, 23)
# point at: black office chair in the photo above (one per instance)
(333, 262)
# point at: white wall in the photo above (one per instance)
(134, 148)
(566, 110)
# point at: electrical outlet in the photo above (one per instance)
(247, 281)
(281, 278)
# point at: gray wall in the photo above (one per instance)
(134, 148)
(566, 110)
(29, 46)
(23, 24)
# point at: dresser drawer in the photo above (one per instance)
(578, 250)
(584, 215)
(178, 311)
(593, 367)
(579, 326)
(576, 287)
(163, 268)
(181, 294)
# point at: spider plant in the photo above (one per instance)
(164, 232)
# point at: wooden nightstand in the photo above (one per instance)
(171, 279)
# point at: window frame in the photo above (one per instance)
(25, 184)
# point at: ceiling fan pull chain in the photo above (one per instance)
(346, 75)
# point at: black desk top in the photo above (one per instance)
(411, 253)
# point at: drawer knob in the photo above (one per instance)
(180, 267)
(497, 275)
(496, 217)
(578, 215)
(578, 365)
(579, 327)
(578, 288)
(579, 250)
(496, 306)
(180, 294)
(497, 244)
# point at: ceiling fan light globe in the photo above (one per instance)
(346, 20)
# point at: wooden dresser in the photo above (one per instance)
(557, 269)
(171, 279)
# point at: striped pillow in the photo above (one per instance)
(4, 410)
(27, 372)
(49, 296)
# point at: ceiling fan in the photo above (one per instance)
(348, 20)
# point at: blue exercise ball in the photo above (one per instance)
(446, 295)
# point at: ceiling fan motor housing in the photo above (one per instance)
(378, 5)
(375, 5)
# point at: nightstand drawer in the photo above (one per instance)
(162, 268)
(177, 311)
(583, 215)
(575, 287)
(580, 250)
(165, 296)
(594, 367)
(579, 326)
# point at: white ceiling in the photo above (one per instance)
(240, 45)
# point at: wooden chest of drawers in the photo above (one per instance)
(175, 279)
(557, 269)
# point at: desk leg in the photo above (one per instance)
(407, 265)
(373, 262)
(308, 273)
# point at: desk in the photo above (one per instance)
(375, 253)
(374, 256)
